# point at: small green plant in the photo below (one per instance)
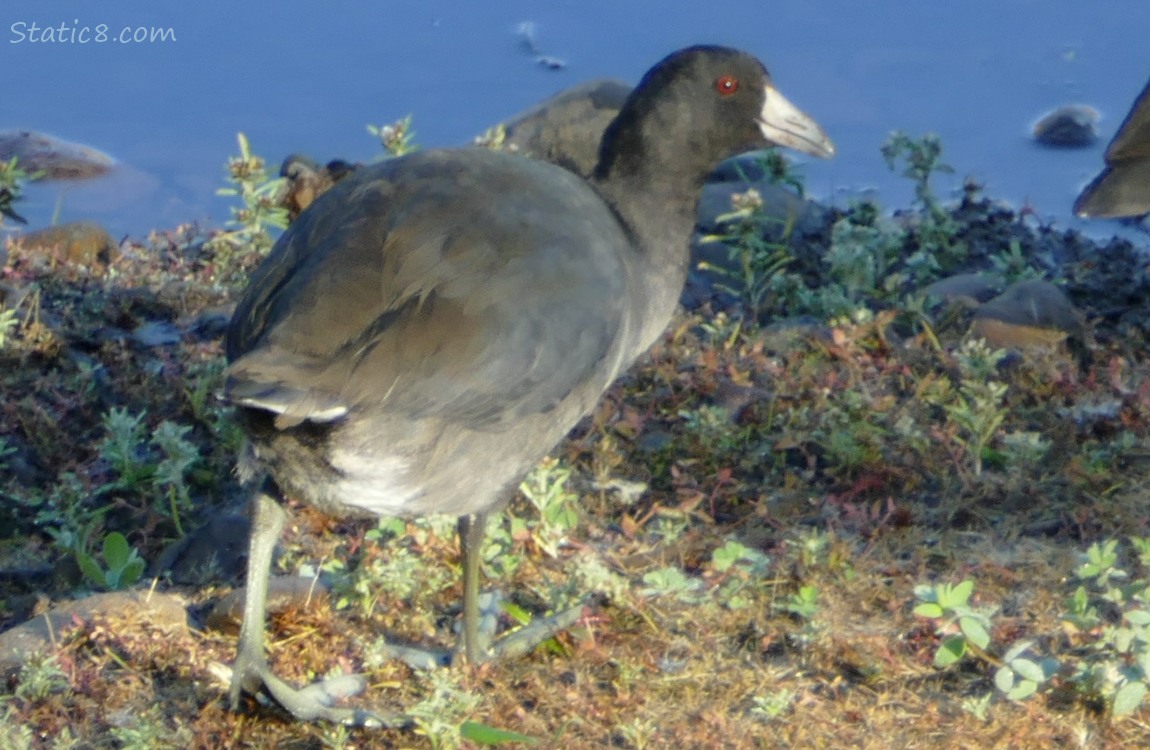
(863, 267)
(935, 236)
(145, 465)
(962, 626)
(757, 261)
(64, 512)
(546, 488)
(40, 676)
(494, 139)
(812, 546)
(1012, 265)
(17, 736)
(1023, 449)
(401, 575)
(1141, 545)
(851, 434)
(1021, 673)
(723, 331)
(1118, 667)
(976, 406)
(708, 430)
(965, 630)
(861, 259)
(743, 570)
(590, 573)
(148, 730)
(6, 450)
(804, 603)
(258, 213)
(772, 705)
(671, 582)
(203, 381)
(334, 736)
(978, 413)
(122, 567)
(397, 139)
(669, 524)
(638, 733)
(503, 552)
(733, 553)
(123, 447)
(816, 549)
(440, 716)
(921, 158)
(978, 706)
(8, 323)
(1101, 568)
(12, 180)
(777, 170)
(179, 454)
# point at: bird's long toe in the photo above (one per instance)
(314, 702)
(521, 641)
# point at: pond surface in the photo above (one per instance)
(308, 77)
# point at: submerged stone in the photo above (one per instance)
(1072, 126)
(55, 158)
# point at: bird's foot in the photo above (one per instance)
(523, 640)
(511, 646)
(314, 702)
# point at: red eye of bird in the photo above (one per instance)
(727, 85)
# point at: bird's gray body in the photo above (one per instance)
(432, 379)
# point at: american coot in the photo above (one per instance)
(564, 130)
(429, 328)
(1123, 187)
(567, 128)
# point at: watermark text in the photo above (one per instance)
(30, 32)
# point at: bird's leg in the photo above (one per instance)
(472, 530)
(477, 631)
(267, 523)
(251, 671)
(477, 642)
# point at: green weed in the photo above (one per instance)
(12, 180)
(258, 214)
(397, 139)
(122, 567)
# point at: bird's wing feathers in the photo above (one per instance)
(450, 303)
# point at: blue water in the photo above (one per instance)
(309, 76)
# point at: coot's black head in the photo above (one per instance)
(699, 106)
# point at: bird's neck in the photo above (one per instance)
(660, 216)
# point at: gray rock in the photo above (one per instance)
(217, 551)
(283, 592)
(156, 333)
(41, 633)
(84, 243)
(786, 335)
(1072, 126)
(970, 289)
(1029, 313)
(56, 158)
